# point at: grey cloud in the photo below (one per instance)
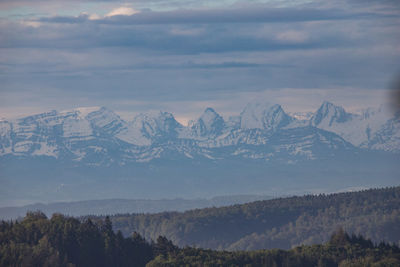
(58, 68)
(159, 80)
(213, 39)
(243, 15)
(213, 52)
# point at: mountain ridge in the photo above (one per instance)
(123, 206)
(42, 134)
(94, 153)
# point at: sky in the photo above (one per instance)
(183, 56)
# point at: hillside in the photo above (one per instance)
(277, 223)
(66, 242)
(341, 250)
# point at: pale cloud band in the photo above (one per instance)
(159, 55)
(130, 16)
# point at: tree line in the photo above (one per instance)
(277, 223)
(65, 241)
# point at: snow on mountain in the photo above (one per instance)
(105, 121)
(52, 133)
(38, 134)
(335, 119)
(233, 122)
(362, 130)
(94, 150)
(302, 116)
(209, 125)
(82, 112)
(236, 137)
(149, 127)
(5, 137)
(262, 131)
(329, 114)
(165, 125)
(263, 116)
(77, 127)
(297, 143)
(375, 118)
(387, 138)
(135, 134)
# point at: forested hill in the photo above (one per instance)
(67, 242)
(277, 223)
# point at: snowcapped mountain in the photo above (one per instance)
(148, 128)
(263, 116)
(365, 130)
(302, 116)
(93, 153)
(329, 114)
(104, 121)
(210, 124)
(262, 131)
(386, 138)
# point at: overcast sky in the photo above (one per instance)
(183, 56)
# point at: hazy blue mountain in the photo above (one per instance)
(329, 114)
(123, 206)
(375, 129)
(210, 124)
(263, 116)
(89, 153)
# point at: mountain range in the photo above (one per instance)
(93, 146)
(82, 133)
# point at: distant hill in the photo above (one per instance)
(115, 206)
(276, 223)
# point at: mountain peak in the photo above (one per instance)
(209, 123)
(156, 123)
(82, 112)
(106, 120)
(92, 112)
(208, 109)
(328, 114)
(209, 115)
(264, 116)
(327, 104)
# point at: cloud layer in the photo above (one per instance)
(154, 54)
